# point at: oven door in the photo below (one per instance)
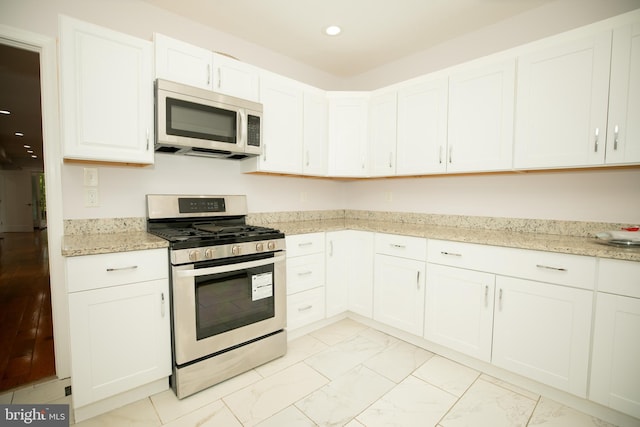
(218, 306)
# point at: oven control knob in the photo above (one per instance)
(259, 247)
(271, 246)
(208, 253)
(194, 255)
(235, 250)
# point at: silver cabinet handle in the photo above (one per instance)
(306, 156)
(397, 246)
(451, 154)
(418, 279)
(486, 295)
(131, 267)
(305, 273)
(305, 308)
(450, 253)
(390, 160)
(615, 137)
(440, 154)
(595, 145)
(208, 74)
(147, 139)
(548, 267)
(264, 152)
(362, 162)
(330, 247)
(304, 244)
(219, 77)
(500, 300)
(162, 304)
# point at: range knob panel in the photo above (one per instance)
(271, 246)
(259, 247)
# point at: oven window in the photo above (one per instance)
(200, 121)
(231, 300)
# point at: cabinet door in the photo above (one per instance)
(119, 339)
(542, 331)
(106, 94)
(623, 134)
(398, 288)
(615, 372)
(315, 128)
(481, 105)
(348, 134)
(562, 104)
(459, 309)
(422, 128)
(382, 133)
(182, 62)
(349, 277)
(282, 110)
(235, 78)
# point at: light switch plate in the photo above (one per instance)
(91, 177)
(91, 197)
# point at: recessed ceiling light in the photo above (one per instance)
(5, 112)
(332, 30)
(26, 146)
(19, 134)
(34, 156)
(30, 151)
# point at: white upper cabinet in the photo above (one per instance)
(348, 140)
(382, 132)
(192, 65)
(315, 130)
(623, 133)
(106, 94)
(282, 103)
(422, 128)
(562, 104)
(481, 106)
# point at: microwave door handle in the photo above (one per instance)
(228, 268)
(241, 131)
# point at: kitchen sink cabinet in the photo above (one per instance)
(542, 331)
(459, 309)
(382, 132)
(399, 282)
(348, 140)
(106, 94)
(305, 279)
(481, 116)
(562, 103)
(422, 127)
(615, 373)
(349, 278)
(119, 327)
(194, 66)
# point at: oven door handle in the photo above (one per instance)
(229, 267)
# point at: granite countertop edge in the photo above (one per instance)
(101, 243)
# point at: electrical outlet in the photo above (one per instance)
(91, 177)
(388, 195)
(91, 197)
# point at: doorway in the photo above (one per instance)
(26, 336)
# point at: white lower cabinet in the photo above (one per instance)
(120, 331)
(399, 282)
(615, 371)
(542, 331)
(459, 309)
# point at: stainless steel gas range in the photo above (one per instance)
(228, 290)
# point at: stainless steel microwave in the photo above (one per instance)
(198, 122)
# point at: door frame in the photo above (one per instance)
(46, 47)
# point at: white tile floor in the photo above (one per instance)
(349, 374)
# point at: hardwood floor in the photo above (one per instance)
(26, 329)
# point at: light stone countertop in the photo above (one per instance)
(102, 243)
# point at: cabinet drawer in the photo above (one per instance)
(401, 246)
(562, 269)
(304, 244)
(465, 255)
(304, 273)
(104, 270)
(619, 277)
(305, 307)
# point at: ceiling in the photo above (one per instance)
(20, 94)
(375, 32)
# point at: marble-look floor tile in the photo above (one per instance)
(297, 350)
(270, 395)
(379, 337)
(45, 392)
(447, 375)
(354, 423)
(486, 404)
(344, 356)
(338, 331)
(169, 407)
(549, 413)
(289, 417)
(509, 386)
(137, 414)
(215, 414)
(413, 402)
(6, 398)
(398, 361)
(342, 399)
